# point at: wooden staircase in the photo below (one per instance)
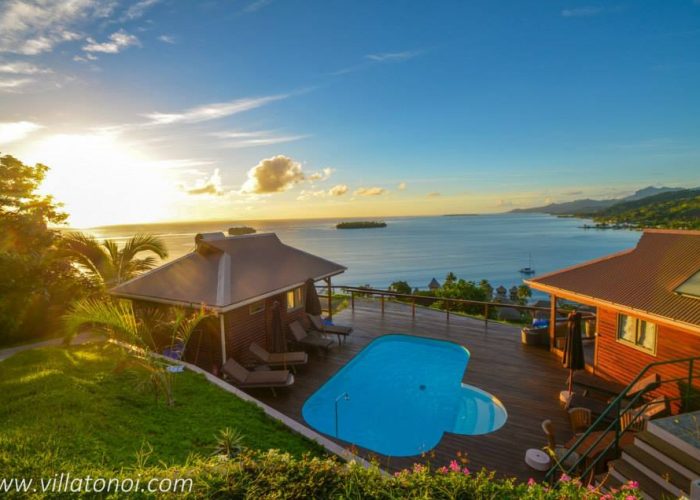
(662, 464)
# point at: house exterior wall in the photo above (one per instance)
(243, 328)
(622, 362)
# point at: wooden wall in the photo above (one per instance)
(621, 362)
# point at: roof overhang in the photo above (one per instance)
(595, 301)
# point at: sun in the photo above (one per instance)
(102, 180)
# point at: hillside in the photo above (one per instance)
(678, 209)
(590, 206)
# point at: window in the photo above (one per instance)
(256, 307)
(294, 299)
(636, 332)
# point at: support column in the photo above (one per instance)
(222, 324)
(553, 322)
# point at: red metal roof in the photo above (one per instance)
(643, 278)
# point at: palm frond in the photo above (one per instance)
(116, 319)
(86, 252)
(144, 243)
(184, 325)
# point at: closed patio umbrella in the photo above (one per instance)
(573, 349)
(313, 304)
(279, 339)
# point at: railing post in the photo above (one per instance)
(447, 308)
(413, 308)
(382, 300)
(486, 317)
(352, 299)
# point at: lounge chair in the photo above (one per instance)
(320, 326)
(580, 420)
(246, 379)
(278, 358)
(558, 451)
(303, 337)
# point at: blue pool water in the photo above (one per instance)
(403, 394)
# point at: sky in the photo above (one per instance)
(164, 110)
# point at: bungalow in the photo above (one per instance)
(647, 302)
(238, 278)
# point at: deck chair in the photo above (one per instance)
(278, 358)
(246, 379)
(303, 337)
(580, 420)
(558, 450)
(320, 326)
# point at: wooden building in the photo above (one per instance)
(238, 278)
(647, 302)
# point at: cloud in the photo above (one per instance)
(273, 175)
(118, 41)
(573, 193)
(243, 139)
(14, 84)
(256, 5)
(15, 131)
(433, 194)
(393, 56)
(138, 9)
(86, 58)
(32, 27)
(23, 68)
(306, 195)
(167, 39)
(322, 175)
(504, 203)
(586, 11)
(212, 111)
(338, 190)
(401, 186)
(211, 186)
(370, 191)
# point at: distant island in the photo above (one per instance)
(360, 225)
(240, 230)
(674, 208)
(460, 215)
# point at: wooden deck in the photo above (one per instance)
(526, 379)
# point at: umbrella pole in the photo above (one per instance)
(571, 382)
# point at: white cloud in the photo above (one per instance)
(167, 39)
(22, 68)
(15, 131)
(208, 186)
(581, 11)
(401, 186)
(243, 139)
(32, 27)
(273, 175)
(322, 175)
(370, 191)
(307, 195)
(338, 190)
(14, 84)
(256, 5)
(138, 9)
(212, 111)
(393, 56)
(118, 41)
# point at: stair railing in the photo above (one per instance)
(618, 407)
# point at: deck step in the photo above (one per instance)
(624, 472)
(685, 464)
(667, 477)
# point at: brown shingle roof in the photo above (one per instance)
(643, 278)
(229, 271)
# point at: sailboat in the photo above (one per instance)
(528, 269)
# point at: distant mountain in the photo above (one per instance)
(589, 207)
(676, 209)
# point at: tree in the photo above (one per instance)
(461, 289)
(524, 293)
(487, 288)
(450, 278)
(108, 264)
(36, 282)
(401, 287)
(117, 320)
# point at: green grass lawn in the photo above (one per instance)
(66, 409)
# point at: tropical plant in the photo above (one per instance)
(524, 293)
(401, 287)
(117, 320)
(229, 442)
(106, 263)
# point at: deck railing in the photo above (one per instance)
(451, 305)
(612, 423)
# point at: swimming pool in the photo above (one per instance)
(400, 394)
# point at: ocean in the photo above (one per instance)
(416, 249)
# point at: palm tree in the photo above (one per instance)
(117, 320)
(108, 264)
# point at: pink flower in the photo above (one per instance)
(564, 478)
(531, 482)
(443, 470)
(454, 466)
(397, 474)
(630, 497)
(633, 485)
(418, 468)
(465, 471)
